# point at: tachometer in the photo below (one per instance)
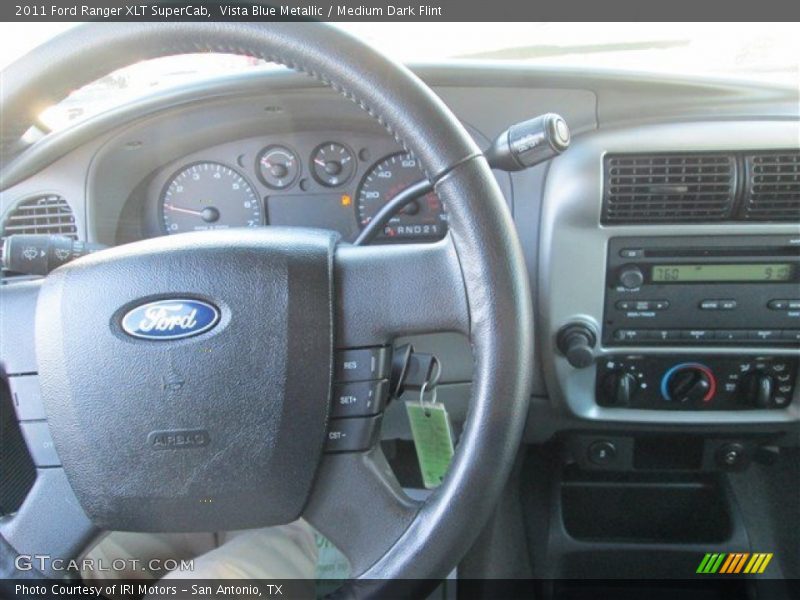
(209, 195)
(423, 218)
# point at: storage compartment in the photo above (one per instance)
(679, 512)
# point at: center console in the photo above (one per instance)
(668, 296)
(688, 292)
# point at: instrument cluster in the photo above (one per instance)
(331, 181)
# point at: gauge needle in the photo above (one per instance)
(184, 210)
(321, 163)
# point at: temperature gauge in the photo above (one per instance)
(332, 164)
(278, 167)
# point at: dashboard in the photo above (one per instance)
(330, 180)
(278, 150)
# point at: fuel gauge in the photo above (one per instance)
(333, 164)
(278, 167)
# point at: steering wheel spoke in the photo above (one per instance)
(49, 527)
(358, 504)
(387, 291)
(17, 318)
(50, 522)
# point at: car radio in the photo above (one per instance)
(726, 291)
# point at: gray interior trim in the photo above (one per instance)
(573, 248)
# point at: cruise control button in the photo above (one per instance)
(359, 399)
(352, 435)
(361, 364)
(40, 443)
(27, 397)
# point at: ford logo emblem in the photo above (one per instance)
(171, 319)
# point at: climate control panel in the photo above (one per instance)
(670, 382)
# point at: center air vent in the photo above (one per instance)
(668, 188)
(772, 189)
(41, 214)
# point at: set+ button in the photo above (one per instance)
(360, 392)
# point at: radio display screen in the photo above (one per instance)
(717, 273)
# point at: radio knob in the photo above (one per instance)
(631, 277)
(758, 388)
(688, 383)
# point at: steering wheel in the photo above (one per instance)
(255, 389)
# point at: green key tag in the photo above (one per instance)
(430, 427)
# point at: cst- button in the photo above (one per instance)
(361, 364)
(352, 435)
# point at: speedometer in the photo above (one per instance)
(209, 195)
(422, 219)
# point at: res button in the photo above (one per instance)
(361, 364)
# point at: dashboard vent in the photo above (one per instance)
(41, 214)
(772, 188)
(668, 188)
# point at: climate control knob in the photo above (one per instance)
(619, 388)
(688, 383)
(757, 389)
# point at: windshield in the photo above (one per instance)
(768, 52)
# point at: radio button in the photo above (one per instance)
(697, 335)
(791, 335)
(709, 305)
(631, 277)
(628, 335)
(783, 304)
(778, 305)
(631, 252)
(663, 335)
(661, 304)
(730, 335)
(764, 335)
(727, 304)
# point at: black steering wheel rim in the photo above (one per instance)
(495, 280)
